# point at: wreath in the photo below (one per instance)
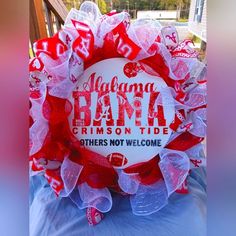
(76, 171)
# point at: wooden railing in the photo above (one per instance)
(46, 18)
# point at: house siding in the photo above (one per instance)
(198, 28)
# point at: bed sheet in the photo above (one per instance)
(185, 215)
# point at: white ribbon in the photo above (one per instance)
(127, 182)
(149, 198)
(175, 167)
(85, 196)
(70, 172)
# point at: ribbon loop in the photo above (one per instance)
(149, 199)
(175, 167)
(70, 172)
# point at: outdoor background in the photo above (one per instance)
(188, 16)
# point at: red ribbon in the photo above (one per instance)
(158, 64)
(53, 47)
(84, 44)
(147, 172)
(184, 142)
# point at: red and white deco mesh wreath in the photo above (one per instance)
(116, 108)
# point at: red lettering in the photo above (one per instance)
(75, 130)
(103, 110)
(124, 105)
(84, 131)
(78, 120)
(152, 114)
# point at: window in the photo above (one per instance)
(198, 10)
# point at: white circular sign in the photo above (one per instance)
(121, 112)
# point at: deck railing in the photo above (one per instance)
(46, 18)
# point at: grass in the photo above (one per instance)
(31, 54)
(196, 39)
(182, 20)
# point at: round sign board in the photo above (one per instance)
(121, 112)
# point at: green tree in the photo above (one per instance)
(168, 4)
(181, 5)
(120, 5)
(183, 8)
(72, 3)
(102, 6)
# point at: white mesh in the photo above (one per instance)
(144, 33)
(70, 172)
(97, 198)
(174, 166)
(128, 183)
(149, 199)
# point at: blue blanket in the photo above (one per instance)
(185, 215)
